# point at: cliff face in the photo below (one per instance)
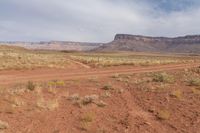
(124, 42)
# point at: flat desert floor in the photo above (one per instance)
(107, 93)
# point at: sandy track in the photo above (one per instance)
(11, 77)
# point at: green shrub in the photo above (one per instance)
(194, 82)
(163, 77)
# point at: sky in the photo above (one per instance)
(96, 20)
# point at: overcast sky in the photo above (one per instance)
(96, 20)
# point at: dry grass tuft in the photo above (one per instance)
(3, 125)
(163, 115)
(31, 86)
(196, 91)
(89, 99)
(47, 104)
(177, 94)
(194, 82)
(107, 87)
(86, 100)
(163, 77)
(86, 121)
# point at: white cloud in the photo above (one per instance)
(91, 20)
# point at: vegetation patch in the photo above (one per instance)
(86, 121)
(177, 94)
(194, 82)
(116, 59)
(107, 87)
(163, 77)
(3, 125)
(196, 90)
(86, 100)
(56, 83)
(47, 104)
(31, 86)
(20, 58)
(163, 115)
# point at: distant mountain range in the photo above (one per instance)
(136, 43)
(56, 45)
(122, 42)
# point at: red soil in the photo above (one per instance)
(11, 77)
(130, 108)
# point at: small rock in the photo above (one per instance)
(101, 104)
(3, 125)
(120, 91)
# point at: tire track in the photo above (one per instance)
(25, 76)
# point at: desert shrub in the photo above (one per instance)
(86, 121)
(107, 94)
(196, 70)
(177, 94)
(163, 115)
(107, 87)
(194, 82)
(89, 99)
(30, 86)
(87, 118)
(3, 125)
(83, 101)
(163, 77)
(74, 97)
(196, 90)
(60, 83)
(115, 76)
(56, 83)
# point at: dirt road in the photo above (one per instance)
(11, 77)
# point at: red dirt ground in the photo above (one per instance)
(132, 103)
(10, 77)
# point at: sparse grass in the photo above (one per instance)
(86, 100)
(86, 121)
(115, 76)
(56, 83)
(19, 58)
(194, 82)
(31, 86)
(74, 97)
(52, 90)
(47, 104)
(163, 77)
(107, 87)
(89, 99)
(106, 94)
(93, 79)
(87, 118)
(177, 94)
(196, 91)
(163, 115)
(16, 102)
(3, 125)
(116, 59)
